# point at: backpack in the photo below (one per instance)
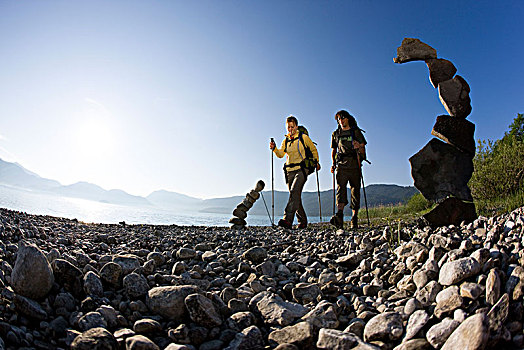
(309, 163)
(352, 137)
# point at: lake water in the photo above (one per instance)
(97, 212)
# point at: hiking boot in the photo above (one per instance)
(354, 222)
(285, 224)
(302, 225)
(337, 221)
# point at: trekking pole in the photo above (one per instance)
(267, 210)
(363, 187)
(334, 199)
(319, 204)
(272, 186)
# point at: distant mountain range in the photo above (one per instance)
(15, 175)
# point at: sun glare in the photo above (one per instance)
(94, 139)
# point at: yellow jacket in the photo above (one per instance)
(295, 150)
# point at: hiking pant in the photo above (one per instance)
(351, 175)
(295, 182)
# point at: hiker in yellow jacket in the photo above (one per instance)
(302, 159)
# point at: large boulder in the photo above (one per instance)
(440, 70)
(168, 301)
(451, 211)
(32, 275)
(454, 95)
(455, 131)
(441, 170)
(413, 49)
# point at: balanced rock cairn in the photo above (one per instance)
(441, 170)
(240, 213)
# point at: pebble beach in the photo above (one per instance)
(72, 285)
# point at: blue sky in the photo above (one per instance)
(184, 95)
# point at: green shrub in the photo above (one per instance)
(499, 166)
(418, 203)
(498, 176)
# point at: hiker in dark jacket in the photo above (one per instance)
(348, 151)
(295, 145)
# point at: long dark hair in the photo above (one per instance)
(345, 114)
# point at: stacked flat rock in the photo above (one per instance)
(188, 287)
(442, 170)
(238, 220)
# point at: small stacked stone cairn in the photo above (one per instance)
(441, 170)
(240, 213)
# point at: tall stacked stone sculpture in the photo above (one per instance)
(238, 220)
(442, 170)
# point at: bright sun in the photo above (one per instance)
(94, 139)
